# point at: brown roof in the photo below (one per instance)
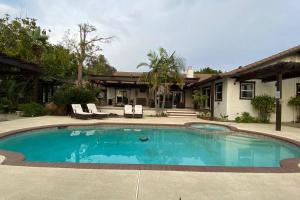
(264, 61)
(127, 74)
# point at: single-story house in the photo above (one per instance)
(230, 93)
(122, 88)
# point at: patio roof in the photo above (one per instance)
(133, 78)
(265, 69)
(16, 66)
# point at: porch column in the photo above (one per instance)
(278, 101)
(212, 100)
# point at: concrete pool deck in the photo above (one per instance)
(62, 183)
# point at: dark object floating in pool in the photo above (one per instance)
(144, 139)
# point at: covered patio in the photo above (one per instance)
(20, 70)
(123, 88)
(274, 72)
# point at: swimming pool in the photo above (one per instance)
(150, 145)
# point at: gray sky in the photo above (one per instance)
(222, 34)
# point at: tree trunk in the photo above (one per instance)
(79, 75)
(157, 104)
(163, 103)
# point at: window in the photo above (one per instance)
(206, 92)
(298, 89)
(247, 90)
(218, 88)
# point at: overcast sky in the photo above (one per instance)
(222, 34)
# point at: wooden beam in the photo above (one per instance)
(212, 100)
(278, 101)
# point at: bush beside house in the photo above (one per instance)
(295, 102)
(265, 105)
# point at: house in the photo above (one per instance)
(122, 88)
(230, 93)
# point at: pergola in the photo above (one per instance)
(273, 72)
(13, 66)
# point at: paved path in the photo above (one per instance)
(30, 183)
(35, 183)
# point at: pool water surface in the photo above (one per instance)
(150, 145)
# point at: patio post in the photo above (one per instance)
(278, 101)
(212, 100)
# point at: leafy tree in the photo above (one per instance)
(164, 70)
(59, 63)
(99, 66)
(22, 38)
(265, 105)
(199, 99)
(208, 70)
(85, 47)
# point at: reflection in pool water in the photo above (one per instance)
(164, 146)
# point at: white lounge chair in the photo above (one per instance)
(93, 109)
(138, 111)
(128, 111)
(79, 113)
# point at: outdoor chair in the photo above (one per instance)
(138, 111)
(79, 113)
(93, 110)
(128, 112)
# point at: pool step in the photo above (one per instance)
(181, 113)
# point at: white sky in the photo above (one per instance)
(222, 34)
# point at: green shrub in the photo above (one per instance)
(32, 109)
(295, 102)
(6, 105)
(74, 95)
(265, 105)
(245, 118)
(67, 95)
(198, 99)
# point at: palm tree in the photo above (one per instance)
(152, 77)
(164, 71)
(171, 68)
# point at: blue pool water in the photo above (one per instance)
(165, 146)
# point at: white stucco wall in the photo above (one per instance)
(235, 105)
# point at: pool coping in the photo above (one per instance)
(290, 165)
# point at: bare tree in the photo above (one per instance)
(86, 47)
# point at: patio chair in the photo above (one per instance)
(79, 113)
(93, 109)
(128, 111)
(138, 111)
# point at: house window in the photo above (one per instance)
(298, 89)
(218, 89)
(206, 92)
(247, 90)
